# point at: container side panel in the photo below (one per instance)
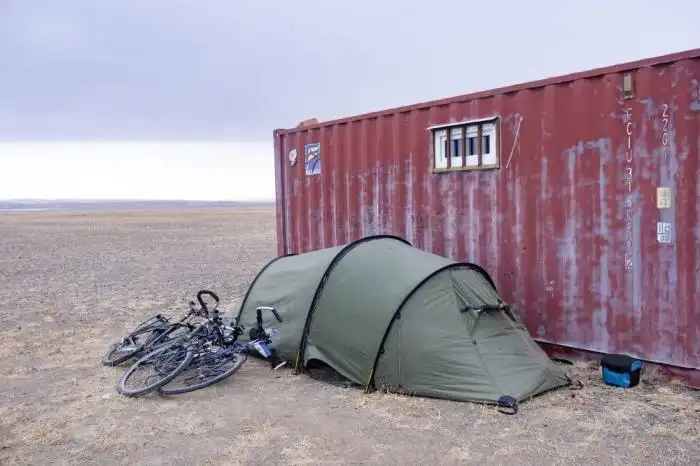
(340, 169)
(299, 212)
(380, 187)
(399, 201)
(313, 183)
(325, 191)
(280, 192)
(330, 207)
(423, 215)
(568, 225)
(689, 209)
(365, 214)
(354, 227)
(414, 191)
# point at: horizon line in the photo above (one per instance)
(101, 199)
(135, 140)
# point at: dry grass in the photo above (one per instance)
(71, 283)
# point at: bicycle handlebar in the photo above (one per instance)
(209, 293)
(271, 309)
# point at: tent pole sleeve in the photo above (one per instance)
(454, 265)
(319, 289)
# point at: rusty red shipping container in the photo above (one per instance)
(580, 195)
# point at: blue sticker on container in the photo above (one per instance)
(312, 159)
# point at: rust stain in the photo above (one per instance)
(567, 227)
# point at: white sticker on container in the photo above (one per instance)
(292, 156)
(663, 198)
(663, 232)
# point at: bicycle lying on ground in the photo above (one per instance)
(208, 354)
(156, 332)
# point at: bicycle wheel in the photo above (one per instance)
(155, 369)
(205, 369)
(126, 348)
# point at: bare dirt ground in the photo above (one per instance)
(72, 283)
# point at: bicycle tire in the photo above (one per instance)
(109, 358)
(166, 335)
(171, 389)
(185, 354)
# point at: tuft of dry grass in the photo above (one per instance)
(74, 282)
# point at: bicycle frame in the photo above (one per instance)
(215, 326)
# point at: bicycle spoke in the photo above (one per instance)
(130, 345)
(206, 369)
(154, 369)
(209, 367)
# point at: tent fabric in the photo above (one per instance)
(386, 315)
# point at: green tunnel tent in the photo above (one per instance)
(386, 315)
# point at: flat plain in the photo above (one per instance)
(72, 282)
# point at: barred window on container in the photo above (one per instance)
(470, 145)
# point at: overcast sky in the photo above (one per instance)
(174, 70)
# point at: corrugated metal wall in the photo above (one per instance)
(551, 224)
